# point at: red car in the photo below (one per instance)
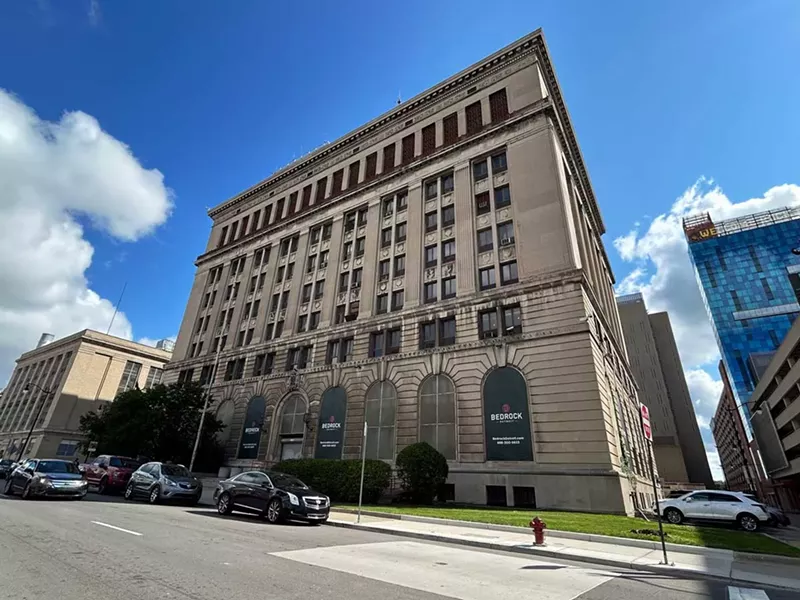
(109, 472)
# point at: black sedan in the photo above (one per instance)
(47, 477)
(6, 466)
(274, 495)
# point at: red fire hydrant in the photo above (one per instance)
(538, 527)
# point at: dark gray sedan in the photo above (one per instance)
(47, 477)
(161, 482)
(6, 467)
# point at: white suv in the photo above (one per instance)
(708, 505)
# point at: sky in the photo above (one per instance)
(121, 123)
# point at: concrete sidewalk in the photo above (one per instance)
(642, 555)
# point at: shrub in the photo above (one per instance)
(422, 470)
(340, 479)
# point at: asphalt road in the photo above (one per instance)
(107, 548)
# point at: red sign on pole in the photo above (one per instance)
(648, 431)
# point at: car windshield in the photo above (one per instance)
(175, 471)
(282, 480)
(125, 463)
(57, 466)
(6, 462)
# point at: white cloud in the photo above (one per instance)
(662, 271)
(56, 175)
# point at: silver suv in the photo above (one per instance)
(708, 505)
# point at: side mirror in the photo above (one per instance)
(687, 499)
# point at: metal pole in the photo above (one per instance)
(206, 396)
(116, 308)
(33, 423)
(363, 462)
(655, 494)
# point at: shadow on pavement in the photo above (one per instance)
(246, 518)
(542, 567)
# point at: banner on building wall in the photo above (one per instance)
(251, 431)
(506, 417)
(330, 427)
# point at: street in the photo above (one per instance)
(110, 549)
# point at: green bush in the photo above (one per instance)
(340, 479)
(423, 471)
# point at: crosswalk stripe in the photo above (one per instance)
(736, 593)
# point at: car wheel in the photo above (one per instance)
(128, 492)
(674, 516)
(26, 491)
(154, 495)
(9, 488)
(102, 486)
(274, 511)
(747, 522)
(224, 504)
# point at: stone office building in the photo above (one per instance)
(438, 273)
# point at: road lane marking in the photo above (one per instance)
(735, 593)
(115, 527)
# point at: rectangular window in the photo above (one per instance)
(428, 139)
(355, 281)
(361, 244)
(256, 306)
(306, 202)
(408, 148)
(402, 201)
(289, 272)
(276, 299)
(386, 237)
(372, 166)
(344, 281)
(254, 224)
(388, 158)
(794, 280)
(245, 221)
(336, 182)
(319, 289)
(499, 163)
(258, 365)
(427, 335)
(362, 217)
(130, 376)
(338, 316)
(284, 300)
(721, 259)
(205, 374)
(485, 240)
(431, 221)
(429, 290)
(154, 376)
(315, 235)
(431, 189)
(754, 257)
(448, 215)
(505, 233)
(312, 260)
(482, 205)
(267, 216)
(387, 207)
(249, 337)
(290, 210)
(448, 251)
(398, 299)
(399, 265)
(487, 324)
(710, 272)
(234, 230)
(448, 288)
(450, 127)
(347, 253)
(498, 106)
(480, 170)
(474, 118)
(448, 183)
(736, 302)
(302, 322)
(512, 320)
(767, 290)
(279, 209)
(376, 341)
(352, 174)
(394, 341)
(323, 259)
(326, 231)
(502, 197)
(222, 237)
(185, 376)
(382, 304)
(447, 331)
(313, 321)
(508, 273)
(253, 284)
(431, 256)
(383, 269)
(306, 295)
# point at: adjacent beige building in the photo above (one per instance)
(653, 354)
(83, 371)
(439, 274)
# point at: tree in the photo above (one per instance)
(160, 422)
(423, 471)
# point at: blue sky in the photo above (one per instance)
(217, 95)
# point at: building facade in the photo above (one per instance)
(653, 355)
(775, 406)
(439, 275)
(735, 455)
(750, 283)
(82, 371)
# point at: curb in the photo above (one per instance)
(589, 537)
(544, 552)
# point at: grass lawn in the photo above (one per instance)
(711, 537)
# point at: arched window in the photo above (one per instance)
(292, 427)
(437, 414)
(381, 410)
(225, 415)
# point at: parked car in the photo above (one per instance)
(274, 495)
(47, 477)
(161, 482)
(110, 472)
(6, 466)
(776, 516)
(705, 505)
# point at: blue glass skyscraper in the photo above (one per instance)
(750, 282)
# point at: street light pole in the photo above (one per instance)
(206, 397)
(25, 390)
